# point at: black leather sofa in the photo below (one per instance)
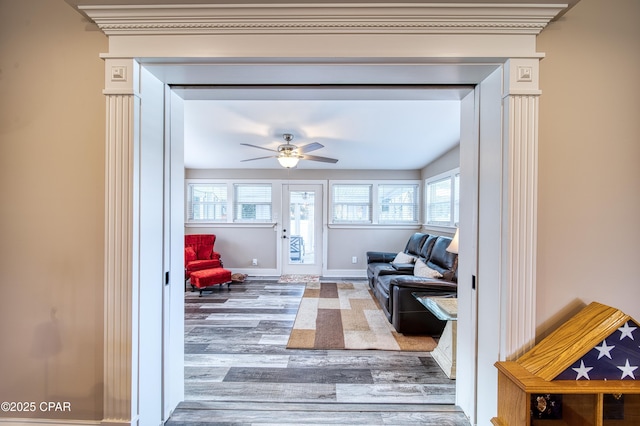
(393, 283)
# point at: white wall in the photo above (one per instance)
(589, 154)
(52, 142)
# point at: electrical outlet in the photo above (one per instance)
(254, 262)
(354, 259)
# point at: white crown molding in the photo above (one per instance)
(383, 18)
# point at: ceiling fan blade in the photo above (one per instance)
(310, 147)
(259, 158)
(317, 158)
(259, 147)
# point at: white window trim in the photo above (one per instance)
(436, 226)
(374, 222)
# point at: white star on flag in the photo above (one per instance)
(604, 350)
(584, 371)
(627, 370)
(627, 331)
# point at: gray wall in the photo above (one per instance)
(52, 144)
(589, 173)
(239, 245)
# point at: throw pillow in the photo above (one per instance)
(403, 257)
(189, 254)
(422, 270)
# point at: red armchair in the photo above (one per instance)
(199, 253)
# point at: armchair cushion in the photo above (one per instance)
(189, 255)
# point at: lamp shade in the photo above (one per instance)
(453, 246)
(288, 161)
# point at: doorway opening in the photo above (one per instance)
(302, 229)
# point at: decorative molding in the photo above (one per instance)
(120, 318)
(347, 18)
(522, 152)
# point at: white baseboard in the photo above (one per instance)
(334, 273)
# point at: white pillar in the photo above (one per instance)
(520, 108)
(121, 245)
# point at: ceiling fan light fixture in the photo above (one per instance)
(288, 162)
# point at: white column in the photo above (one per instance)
(520, 105)
(121, 246)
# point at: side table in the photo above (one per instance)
(446, 309)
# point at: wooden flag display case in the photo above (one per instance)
(583, 374)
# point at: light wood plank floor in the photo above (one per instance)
(239, 372)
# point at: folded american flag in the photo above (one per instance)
(616, 358)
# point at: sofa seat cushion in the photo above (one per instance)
(374, 270)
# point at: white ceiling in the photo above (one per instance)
(372, 127)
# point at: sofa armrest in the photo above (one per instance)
(380, 257)
(423, 283)
(405, 268)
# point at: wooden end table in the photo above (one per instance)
(446, 309)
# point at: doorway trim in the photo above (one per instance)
(499, 38)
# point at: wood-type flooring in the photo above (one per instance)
(238, 370)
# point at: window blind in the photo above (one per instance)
(397, 203)
(207, 202)
(253, 202)
(351, 203)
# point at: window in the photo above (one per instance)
(351, 203)
(252, 202)
(207, 202)
(381, 202)
(443, 199)
(218, 201)
(398, 203)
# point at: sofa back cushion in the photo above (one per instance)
(427, 247)
(440, 257)
(415, 244)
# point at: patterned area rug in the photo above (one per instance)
(299, 279)
(347, 316)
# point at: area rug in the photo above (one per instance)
(346, 316)
(299, 279)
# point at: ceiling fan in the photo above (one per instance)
(288, 154)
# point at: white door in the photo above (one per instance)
(301, 230)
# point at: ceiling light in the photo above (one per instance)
(288, 162)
